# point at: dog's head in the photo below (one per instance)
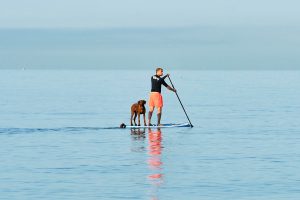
(141, 102)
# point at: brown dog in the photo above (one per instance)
(136, 110)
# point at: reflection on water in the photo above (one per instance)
(154, 160)
(138, 133)
(154, 152)
(138, 136)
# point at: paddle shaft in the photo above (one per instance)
(181, 103)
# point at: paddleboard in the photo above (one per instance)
(163, 126)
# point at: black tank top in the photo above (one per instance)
(156, 82)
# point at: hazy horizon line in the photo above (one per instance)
(196, 47)
(282, 26)
(148, 69)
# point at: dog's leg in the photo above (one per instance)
(139, 117)
(134, 118)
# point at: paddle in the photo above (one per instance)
(181, 103)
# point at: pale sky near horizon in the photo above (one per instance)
(196, 34)
(142, 13)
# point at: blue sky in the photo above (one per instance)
(142, 13)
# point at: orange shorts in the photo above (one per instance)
(155, 100)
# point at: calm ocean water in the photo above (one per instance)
(55, 143)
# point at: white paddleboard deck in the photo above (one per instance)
(163, 126)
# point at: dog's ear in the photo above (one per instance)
(144, 102)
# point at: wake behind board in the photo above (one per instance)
(163, 126)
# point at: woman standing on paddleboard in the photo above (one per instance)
(156, 99)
